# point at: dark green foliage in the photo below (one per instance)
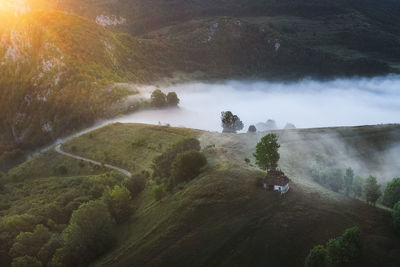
(158, 99)
(118, 200)
(348, 180)
(392, 193)
(47, 251)
(334, 179)
(396, 217)
(135, 184)
(88, 234)
(247, 160)
(317, 257)
(11, 158)
(267, 155)
(172, 99)
(358, 185)
(187, 165)
(162, 164)
(29, 243)
(158, 192)
(343, 251)
(252, 129)
(230, 123)
(372, 190)
(26, 261)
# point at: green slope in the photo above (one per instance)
(221, 218)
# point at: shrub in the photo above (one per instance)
(252, 129)
(88, 234)
(135, 184)
(340, 252)
(358, 185)
(29, 243)
(158, 192)
(334, 179)
(392, 193)
(162, 164)
(26, 261)
(396, 217)
(158, 99)
(186, 166)
(172, 99)
(118, 201)
(318, 257)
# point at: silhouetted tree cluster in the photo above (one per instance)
(342, 251)
(325, 173)
(392, 193)
(181, 162)
(159, 99)
(396, 217)
(230, 123)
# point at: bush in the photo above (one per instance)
(172, 99)
(340, 252)
(158, 192)
(26, 261)
(158, 99)
(135, 184)
(162, 164)
(252, 129)
(318, 257)
(88, 235)
(392, 193)
(29, 243)
(396, 217)
(186, 166)
(118, 201)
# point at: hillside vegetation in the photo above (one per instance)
(58, 73)
(60, 60)
(221, 217)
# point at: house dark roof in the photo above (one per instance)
(276, 177)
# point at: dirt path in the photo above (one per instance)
(59, 150)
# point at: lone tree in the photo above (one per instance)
(392, 193)
(230, 123)
(252, 129)
(172, 99)
(372, 190)
(158, 99)
(348, 180)
(267, 155)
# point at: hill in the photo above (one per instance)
(221, 218)
(58, 73)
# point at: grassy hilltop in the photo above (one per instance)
(220, 218)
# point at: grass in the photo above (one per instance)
(129, 146)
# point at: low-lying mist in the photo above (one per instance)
(306, 104)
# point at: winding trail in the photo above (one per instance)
(59, 150)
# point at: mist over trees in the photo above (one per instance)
(392, 193)
(372, 190)
(158, 99)
(230, 123)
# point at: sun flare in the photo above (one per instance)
(16, 7)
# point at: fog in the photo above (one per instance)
(306, 104)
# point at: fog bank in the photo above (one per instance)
(307, 104)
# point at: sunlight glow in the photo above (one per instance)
(15, 7)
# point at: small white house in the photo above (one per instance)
(277, 181)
